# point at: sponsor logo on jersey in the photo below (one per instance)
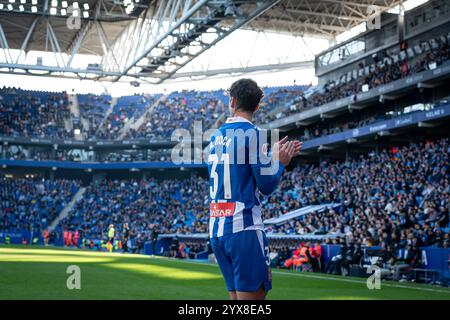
(225, 209)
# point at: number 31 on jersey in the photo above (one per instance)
(215, 175)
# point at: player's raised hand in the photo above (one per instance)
(276, 146)
(283, 141)
(297, 147)
(285, 150)
(286, 153)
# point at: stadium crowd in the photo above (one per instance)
(47, 115)
(179, 110)
(30, 204)
(398, 197)
(26, 113)
(93, 109)
(386, 69)
(169, 206)
(127, 110)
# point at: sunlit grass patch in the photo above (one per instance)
(165, 271)
(52, 258)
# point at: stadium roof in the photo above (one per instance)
(155, 38)
(325, 18)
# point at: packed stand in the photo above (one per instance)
(127, 108)
(171, 206)
(33, 113)
(30, 204)
(179, 110)
(277, 100)
(387, 68)
(93, 109)
(397, 197)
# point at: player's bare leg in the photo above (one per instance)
(233, 295)
(257, 295)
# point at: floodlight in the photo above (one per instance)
(129, 8)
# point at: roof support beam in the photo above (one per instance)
(325, 14)
(167, 37)
(249, 69)
(55, 45)
(5, 46)
(25, 42)
(358, 4)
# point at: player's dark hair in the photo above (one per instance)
(247, 94)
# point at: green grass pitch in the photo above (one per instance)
(40, 273)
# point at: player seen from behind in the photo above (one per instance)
(241, 166)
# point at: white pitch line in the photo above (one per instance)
(358, 281)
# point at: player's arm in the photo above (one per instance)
(268, 175)
(267, 183)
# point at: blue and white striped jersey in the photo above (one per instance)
(240, 167)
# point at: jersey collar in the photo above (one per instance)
(237, 119)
